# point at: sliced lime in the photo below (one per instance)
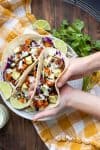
(42, 24)
(17, 104)
(61, 45)
(6, 89)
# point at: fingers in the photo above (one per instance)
(62, 80)
(46, 113)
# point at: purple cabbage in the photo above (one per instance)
(34, 43)
(37, 90)
(58, 52)
(9, 61)
(47, 39)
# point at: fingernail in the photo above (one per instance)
(59, 84)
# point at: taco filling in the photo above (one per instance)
(53, 66)
(22, 94)
(24, 55)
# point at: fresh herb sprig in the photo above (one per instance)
(73, 34)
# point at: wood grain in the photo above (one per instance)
(19, 134)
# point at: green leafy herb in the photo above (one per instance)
(78, 25)
(96, 45)
(74, 36)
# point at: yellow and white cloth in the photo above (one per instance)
(74, 130)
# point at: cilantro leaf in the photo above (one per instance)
(78, 25)
(76, 38)
(96, 45)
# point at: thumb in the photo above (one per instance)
(63, 79)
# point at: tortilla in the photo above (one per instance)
(20, 79)
(44, 96)
(18, 62)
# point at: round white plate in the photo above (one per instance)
(29, 115)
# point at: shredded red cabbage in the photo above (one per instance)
(47, 39)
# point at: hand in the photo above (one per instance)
(74, 98)
(64, 100)
(78, 67)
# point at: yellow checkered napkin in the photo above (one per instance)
(74, 130)
(15, 18)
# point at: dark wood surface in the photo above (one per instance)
(19, 134)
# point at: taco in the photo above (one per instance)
(19, 55)
(53, 65)
(20, 67)
(20, 98)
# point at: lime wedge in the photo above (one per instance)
(61, 45)
(42, 24)
(5, 89)
(17, 104)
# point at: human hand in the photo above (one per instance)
(65, 96)
(78, 67)
(74, 98)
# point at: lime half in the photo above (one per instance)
(43, 24)
(17, 104)
(61, 45)
(5, 89)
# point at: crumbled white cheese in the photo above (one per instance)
(42, 97)
(24, 54)
(20, 65)
(31, 79)
(13, 64)
(51, 51)
(9, 71)
(17, 49)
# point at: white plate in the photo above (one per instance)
(29, 115)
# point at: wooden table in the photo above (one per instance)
(19, 134)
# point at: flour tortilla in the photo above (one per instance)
(66, 62)
(9, 50)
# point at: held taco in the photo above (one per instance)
(53, 65)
